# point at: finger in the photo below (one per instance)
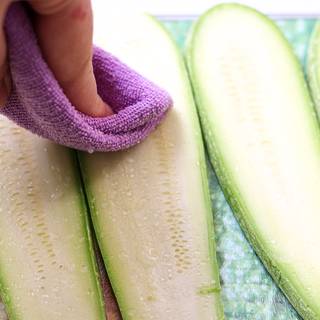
(64, 29)
(4, 74)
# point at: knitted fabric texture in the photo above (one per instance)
(38, 103)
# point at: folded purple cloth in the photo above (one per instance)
(38, 103)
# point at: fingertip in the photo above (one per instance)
(3, 96)
(104, 111)
(5, 89)
(108, 110)
(100, 109)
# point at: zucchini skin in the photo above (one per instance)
(313, 66)
(232, 194)
(88, 230)
(93, 213)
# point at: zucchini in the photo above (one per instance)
(150, 204)
(47, 268)
(313, 66)
(263, 140)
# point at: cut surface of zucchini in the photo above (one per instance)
(150, 204)
(263, 140)
(47, 269)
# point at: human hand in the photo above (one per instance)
(64, 30)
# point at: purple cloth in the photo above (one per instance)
(38, 103)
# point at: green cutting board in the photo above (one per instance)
(247, 289)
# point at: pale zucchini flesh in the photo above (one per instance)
(47, 268)
(263, 140)
(150, 204)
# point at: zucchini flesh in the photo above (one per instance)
(47, 268)
(264, 142)
(150, 204)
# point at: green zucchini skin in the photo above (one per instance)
(313, 66)
(114, 216)
(44, 196)
(297, 294)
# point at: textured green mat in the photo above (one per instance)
(248, 291)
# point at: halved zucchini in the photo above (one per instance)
(47, 269)
(150, 204)
(264, 142)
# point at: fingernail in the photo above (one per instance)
(101, 109)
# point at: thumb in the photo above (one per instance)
(64, 29)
